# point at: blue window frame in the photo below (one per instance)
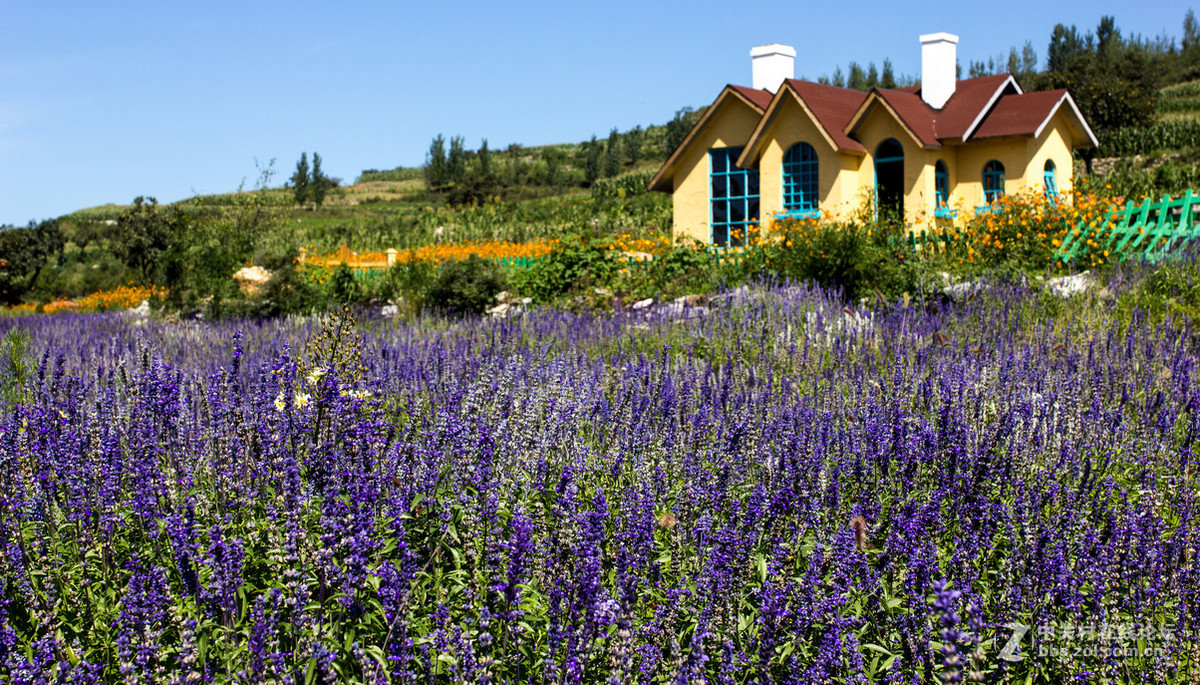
(1051, 181)
(993, 181)
(941, 188)
(800, 181)
(734, 198)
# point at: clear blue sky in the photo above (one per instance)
(104, 101)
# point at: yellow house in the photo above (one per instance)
(799, 149)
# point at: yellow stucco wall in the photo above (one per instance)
(729, 126)
(1054, 144)
(793, 125)
(879, 125)
(1013, 153)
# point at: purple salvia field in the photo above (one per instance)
(782, 491)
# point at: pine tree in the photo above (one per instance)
(633, 145)
(612, 155)
(485, 159)
(456, 160)
(858, 77)
(300, 180)
(319, 183)
(888, 78)
(591, 162)
(435, 164)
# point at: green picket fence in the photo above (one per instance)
(1150, 230)
(723, 256)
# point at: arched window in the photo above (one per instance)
(993, 181)
(1051, 181)
(941, 185)
(800, 178)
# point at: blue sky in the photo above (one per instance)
(104, 101)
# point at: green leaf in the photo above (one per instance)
(877, 648)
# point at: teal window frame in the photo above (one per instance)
(733, 198)
(941, 190)
(801, 181)
(1048, 175)
(993, 181)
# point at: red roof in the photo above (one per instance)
(833, 107)
(971, 96)
(916, 115)
(760, 98)
(1018, 115)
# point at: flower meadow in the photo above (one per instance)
(783, 490)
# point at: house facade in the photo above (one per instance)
(790, 148)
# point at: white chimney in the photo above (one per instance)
(939, 67)
(772, 65)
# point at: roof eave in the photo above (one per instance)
(1089, 136)
(861, 114)
(753, 149)
(660, 182)
(991, 103)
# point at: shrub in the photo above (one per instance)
(411, 281)
(290, 291)
(468, 286)
(343, 288)
(856, 258)
(574, 264)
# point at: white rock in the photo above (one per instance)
(1069, 286)
(251, 279)
(642, 304)
(142, 311)
(389, 311)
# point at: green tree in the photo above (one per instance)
(1067, 46)
(456, 160)
(319, 183)
(24, 253)
(633, 145)
(516, 165)
(143, 234)
(858, 77)
(554, 167)
(484, 159)
(677, 129)
(436, 175)
(888, 78)
(839, 78)
(612, 155)
(872, 76)
(300, 189)
(591, 161)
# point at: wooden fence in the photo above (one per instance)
(1150, 230)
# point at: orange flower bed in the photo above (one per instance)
(442, 252)
(123, 297)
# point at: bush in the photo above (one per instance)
(468, 286)
(290, 291)
(409, 283)
(24, 253)
(858, 259)
(575, 263)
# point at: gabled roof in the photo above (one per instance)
(829, 107)
(982, 107)
(1028, 114)
(755, 99)
(966, 108)
(907, 108)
